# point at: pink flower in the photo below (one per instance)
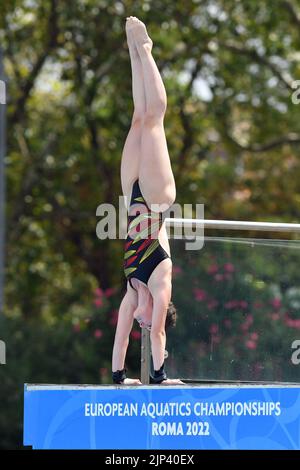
(247, 323)
(296, 323)
(258, 304)
(176, 270)
(135, 335)
(98, 302)
(199, 294)
(212, 269)
(250, 344)
(216, 338)
(275, 316)
(244, 327)
(219, 277)
(231, 304)
(98, 334)
(213, 328)
(292, 323)
(114, 317)
(76, 327)
(243, 304)
(236, 303)
(276, 302)
(211, 304)
(227, 323)
(99, 292)
(109, 291)
(254, 336)
(229, 267)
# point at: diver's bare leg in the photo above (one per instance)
(131, 154)
(155, 172)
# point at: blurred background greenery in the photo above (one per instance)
(238, 303)
(233, 135)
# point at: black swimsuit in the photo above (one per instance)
(143, 252)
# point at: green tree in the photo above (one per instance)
(233, 135)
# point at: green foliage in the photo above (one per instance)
(233, 135)
(71, 348)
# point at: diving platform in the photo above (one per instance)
(202, 415)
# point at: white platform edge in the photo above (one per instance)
(36, 387)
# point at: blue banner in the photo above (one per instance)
(157, 417)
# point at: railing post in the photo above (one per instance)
(2, 174)
(145, 357)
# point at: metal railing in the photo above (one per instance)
(208, 224)
(234, 225)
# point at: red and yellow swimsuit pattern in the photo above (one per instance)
(143, 251)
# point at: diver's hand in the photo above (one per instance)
(172, 382)
(128, 381)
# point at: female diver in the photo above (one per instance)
(149, 187)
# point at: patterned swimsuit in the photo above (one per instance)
(143, 252)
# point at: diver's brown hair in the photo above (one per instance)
(171, 316)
